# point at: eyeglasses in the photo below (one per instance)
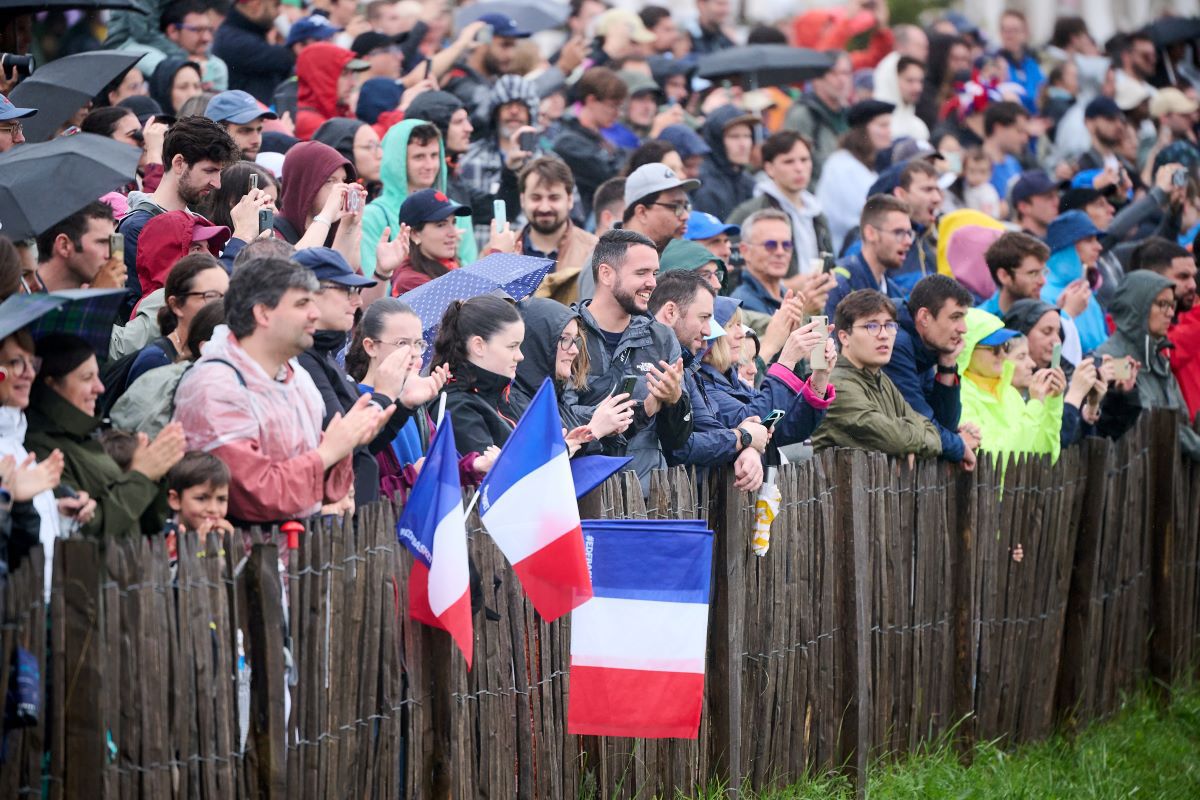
(715, 272)
(678, 209)
(771, 245)
(350, 291)
(209, 296)
(373, 147)
(22, 365)
(999, 349)
(197, 28)
(874, 328)
(418, 345)
(12, 129)
(900, 233)
(1165, 305)
(565, 343)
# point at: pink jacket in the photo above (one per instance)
(266, 429)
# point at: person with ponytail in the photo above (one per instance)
(480, 341)
(192, 283)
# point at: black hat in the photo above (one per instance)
(364, 43)
(429, 205)
(1103, 107)
(864, 111)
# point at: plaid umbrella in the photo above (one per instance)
(87, 313)
(515, 276)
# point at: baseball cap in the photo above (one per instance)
(639, 82)
(638, 32)
(9, 111)
(1103, 107)
(702, 225)
(328, 264)
(364, 43)
(430, 205)
(144, 107)
(1031, 183)
(1172, 101)
(1130, 93)
(651, 178)
(997, 338)
(504, 25)
(208, 233)
(237, 107)
(309, 28)
(907, 148)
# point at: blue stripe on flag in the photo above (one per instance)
(435, 494)
(643, 560)
(536, 440)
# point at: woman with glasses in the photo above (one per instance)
(1007, 422)
(553, 348)
(359, 143)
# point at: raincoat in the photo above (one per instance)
(479, 403)
(384, 211)
(1156, 384)
(734, 401)
(1007, 422)
(318, 70)
(1063, 267)
(265, 428)
(723, 186)
(163, 78)
(1185, 361)
(306, 167)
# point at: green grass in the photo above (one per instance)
(1144, 752)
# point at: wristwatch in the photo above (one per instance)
(745, 439)
(946, 370)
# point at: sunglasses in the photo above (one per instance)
(772, 245)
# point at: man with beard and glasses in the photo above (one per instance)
(195, 151)
(624, 341)
(1178, 265)
(546, 187)
(656, 203)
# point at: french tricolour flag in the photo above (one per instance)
(527, 503)
(434, 528)
(637, 647)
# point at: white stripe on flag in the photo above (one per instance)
(448, 574)
(639, 634)
(535, 510)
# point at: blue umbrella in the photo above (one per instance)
(500, 273)
(87, 313)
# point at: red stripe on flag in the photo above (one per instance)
(632, 702)
(456, 619)
(556, 576)
(418, 595)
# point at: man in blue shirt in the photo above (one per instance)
(1017, 262)
(924, 362)
(1006, 139)
(887, 235)
(766, 247)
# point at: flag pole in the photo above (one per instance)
(441, 409)
(471, 504)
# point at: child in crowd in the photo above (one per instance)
(120, 447)
(977, 190)
(198, 493)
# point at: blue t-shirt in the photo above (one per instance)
(1004, 172)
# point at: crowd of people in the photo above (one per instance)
(941, 246)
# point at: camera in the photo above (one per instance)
(1179, 178)
(23, 64)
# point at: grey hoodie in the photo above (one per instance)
(1156, 384)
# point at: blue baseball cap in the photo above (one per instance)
(429, 205)
(997, 338)
(329, 265)
(9, 111)
(1031, 183)
(1103, 107)
(504, 25)
(237, 107)
(311, 28)
(702, 225)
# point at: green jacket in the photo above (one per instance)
(384, 211)
(1157, 386)
(820, 125)
(1007, 423)
(122, 498)
(869, 413)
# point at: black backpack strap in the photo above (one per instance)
(236, 371)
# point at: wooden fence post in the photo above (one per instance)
(853, 609)
(265, 623)
(81, 706)
(726, 635)
(1164, 441)
(962, 565)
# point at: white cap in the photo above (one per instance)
(650, 179)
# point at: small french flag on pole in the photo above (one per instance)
(434, 529)
(637, 647)
(527, 503)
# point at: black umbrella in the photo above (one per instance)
(41, 184)
(60, 88)
(530, 15)
(29, 6)
(756, 65)
(1173, 30)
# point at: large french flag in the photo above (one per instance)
(527, 503)
(434, 529)
(637, 647)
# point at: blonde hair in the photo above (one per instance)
(720, 355)
(582, 365)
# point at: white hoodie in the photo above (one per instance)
(803, 232)
(12, 443)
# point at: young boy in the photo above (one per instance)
(198, 493)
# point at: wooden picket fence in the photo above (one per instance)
(888, 613)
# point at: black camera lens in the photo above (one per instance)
(23, 64)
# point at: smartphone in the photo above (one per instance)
(500, 213)
(266, 219)
(628, 384)
(1056, 356)
(1180, 178)
(253, 181)
(65, 489)
(773, 417)
(485, 34)
(1122, 369)
(830, 263)
(527, 141)
(353, 200)
(116, 245)
(816, 359)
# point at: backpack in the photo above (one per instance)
(115, 375)
(151, 410)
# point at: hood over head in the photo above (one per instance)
(713, 130)
(545, 320)
(164, 77)
(376, 96)
(1025, 313)
(685, 254)
(687, 142)
(317, 69)
(436, 107)
(1130, 307)
(306, 167)
(167, 238)
(338, 133)
(508, 89)
(980, 325)
(394, 172)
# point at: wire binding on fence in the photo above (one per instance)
(790, 649)
(511, 691)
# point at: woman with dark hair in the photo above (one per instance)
(10, 268)
(849, 171)
(480, 340)
(235, 183)
(313, 209)
(121, 124)
(654, 151)
(192, 283)
(62, 416)
(949, 63)
(176, 81)
(359, 144)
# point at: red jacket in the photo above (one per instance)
(832, 29)
(1185, 358)
(317, 71)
